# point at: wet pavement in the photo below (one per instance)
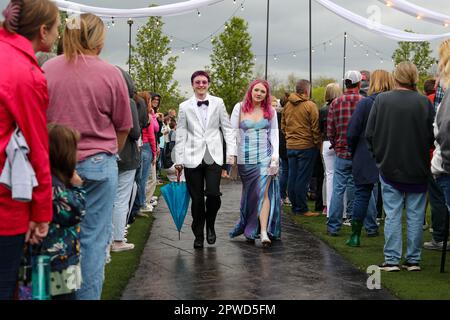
(300, 266)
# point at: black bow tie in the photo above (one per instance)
(199, 103)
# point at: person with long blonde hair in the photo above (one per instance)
(440, 161)
(399, 134)
(364, 168)
(91, 96)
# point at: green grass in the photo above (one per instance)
(123, 264)
(427, 284)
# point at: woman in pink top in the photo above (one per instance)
(148, 157)
(90, 95)
(29, 26)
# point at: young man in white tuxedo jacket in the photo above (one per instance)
(199, 152)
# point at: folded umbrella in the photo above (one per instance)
(177, 198)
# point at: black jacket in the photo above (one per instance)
(364, 167)
(130, 156)
(400, 134)
(282, 140)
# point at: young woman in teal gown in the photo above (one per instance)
(256, 127)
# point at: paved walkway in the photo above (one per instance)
(298, 267)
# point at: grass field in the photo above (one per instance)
(426, 284)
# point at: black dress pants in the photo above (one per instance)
(202, 211)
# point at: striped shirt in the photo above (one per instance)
(339, 114)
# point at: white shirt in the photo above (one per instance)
(204, 112)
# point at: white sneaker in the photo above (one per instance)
(153, 203)
(147, 208)
(121, 246)
(347, 222)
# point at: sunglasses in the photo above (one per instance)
(198, 82)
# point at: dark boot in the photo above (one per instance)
(356, 234)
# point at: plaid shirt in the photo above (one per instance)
(339, 114)
(438, 96)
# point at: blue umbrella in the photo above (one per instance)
(177, 199)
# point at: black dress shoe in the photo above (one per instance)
(198, 243)
(210, 236)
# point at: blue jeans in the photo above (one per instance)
(146, 162)
(301, 164)
(100, 175)
(393, 202)
(364, 206)
(284, 176)
(11, 250)
(121, 203)
(342, 181)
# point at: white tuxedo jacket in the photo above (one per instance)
(192, 137)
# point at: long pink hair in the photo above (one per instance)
(266, 105)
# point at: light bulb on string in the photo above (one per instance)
(242, 7)
(234, 1)
(275, 58)
(182, 50)
(108, 25)
(377, 53)
(196, 47)
(330, 43)
(354, 44)
(171, 39)
(112, 21)
(367, 53)
(313, 50)
(192, 48)
(198, 13)
(294, 55)
(381, 61)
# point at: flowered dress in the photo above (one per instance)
(62, 243)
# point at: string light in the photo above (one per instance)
(242, 6)
(330, 43)
(198, 13)
(388, 3)
(294, 55)
(313, 50)
(418, 17)
(112, 23)
(275, 58)
(182, 50)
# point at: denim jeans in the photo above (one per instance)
(284, 176)
(342, 182)
(11, 250)
(301, 165)
(438, 208)
(121, 203)
(100, 175)
(394, 201)
(364, 206)
(146, 163)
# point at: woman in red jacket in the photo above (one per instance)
(29, 26)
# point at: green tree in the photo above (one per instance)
(152, 68)
(231, 62)
(418, 53)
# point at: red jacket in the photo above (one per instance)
(24, 100)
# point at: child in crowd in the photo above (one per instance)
(62, 243)
(171, 172)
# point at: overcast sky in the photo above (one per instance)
(288, 33)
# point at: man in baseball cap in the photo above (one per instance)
(339, 114)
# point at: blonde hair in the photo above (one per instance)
(380, 81)
(332, 91)
(444, 61)
(89, 36)
(406, 75)
(25, 17)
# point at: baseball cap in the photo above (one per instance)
(353, 76)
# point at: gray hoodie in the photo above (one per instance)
(441, 156)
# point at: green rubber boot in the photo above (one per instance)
(356, 234)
